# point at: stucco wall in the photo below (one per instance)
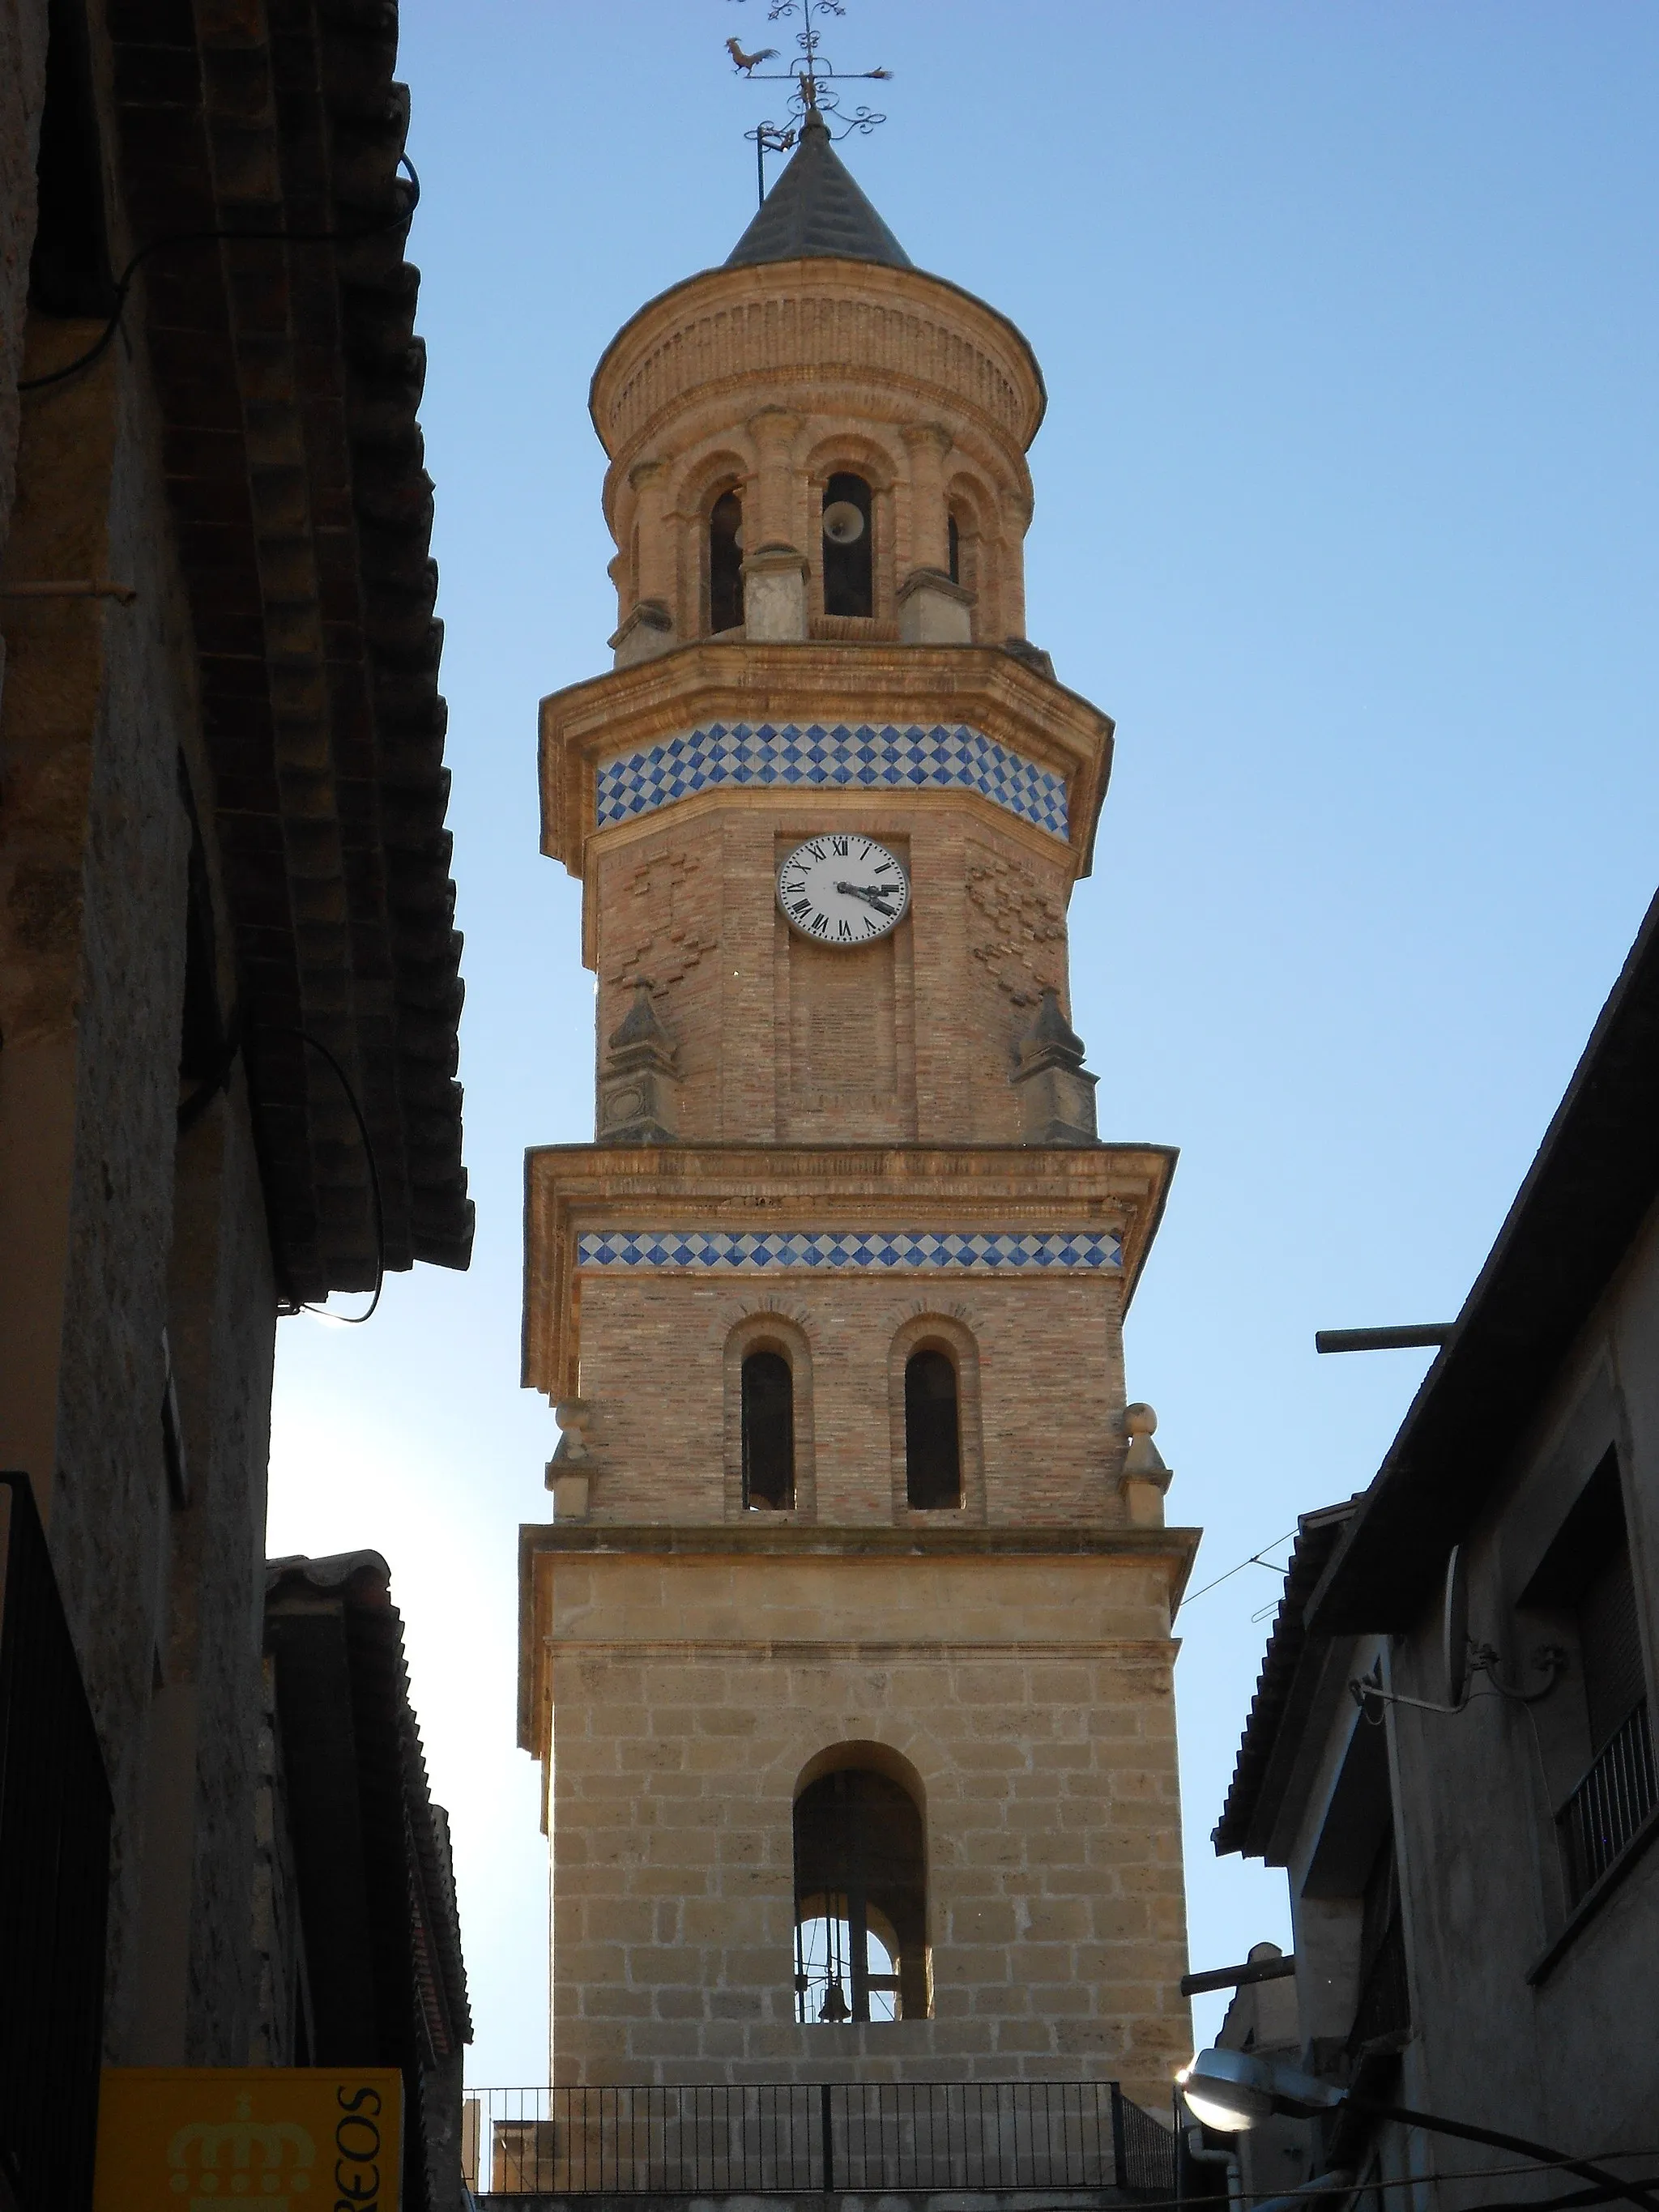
(1562, 2058)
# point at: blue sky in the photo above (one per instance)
(1346, 507)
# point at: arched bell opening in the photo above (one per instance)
(933, 1431)
(860, 1900)
(769, 1431)
(850, 566)
(724, 557)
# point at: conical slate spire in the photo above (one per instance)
(815, 208)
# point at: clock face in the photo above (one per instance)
(843, 889)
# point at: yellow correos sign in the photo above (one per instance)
(210, 2139)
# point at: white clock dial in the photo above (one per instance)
(843, 889)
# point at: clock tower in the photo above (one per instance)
(847, 1652)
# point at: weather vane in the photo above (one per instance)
(811, 80)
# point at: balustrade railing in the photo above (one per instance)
(782, 2138)
(1610, 1804)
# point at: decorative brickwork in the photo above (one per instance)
(879, 759)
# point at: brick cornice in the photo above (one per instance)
(792, 322)
(568, 1188)
(816, 682)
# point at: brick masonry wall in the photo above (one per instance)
(1028, 1702)
(1046, 1428)
(767, 1027)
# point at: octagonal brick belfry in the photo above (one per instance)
(847, 1652)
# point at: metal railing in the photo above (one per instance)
(1610, 1804)
(55, 1817)
(782, 2138)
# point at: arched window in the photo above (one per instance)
(953, 538)
(725, 562)
(860, 1900)
(933, 1432)
(849, 568)
(768, 1432)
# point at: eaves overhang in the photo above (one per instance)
(287, 377)
(1592, 1186)
(1285, 1695)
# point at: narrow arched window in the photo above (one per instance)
(768, 1432)
(933, 1432)
(725, 562)
(849, 568)
(860, 1901)
(953, 538)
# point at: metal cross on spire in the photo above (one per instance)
(811, 78)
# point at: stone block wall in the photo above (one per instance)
(122, 1238)
(1025, 1702)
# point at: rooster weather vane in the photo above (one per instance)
(811, 78)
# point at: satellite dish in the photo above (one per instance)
(842, 523)
(1455, 1630)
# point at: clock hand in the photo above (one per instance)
(871, 894)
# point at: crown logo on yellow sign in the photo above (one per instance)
(217, 2162)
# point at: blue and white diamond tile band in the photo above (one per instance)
(712, 1251)
(864, 758)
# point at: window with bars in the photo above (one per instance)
(1587, 1576)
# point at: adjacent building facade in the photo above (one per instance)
(846, 1656)
(1451, 1749)
(228, 971)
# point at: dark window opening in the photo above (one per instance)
(768, 1432)
(849, 568)
(725, 562)
(932, 1433)
(1587, 1573)
(953, 536)
(860, 1901)
(1384, 2005)
(68, 266)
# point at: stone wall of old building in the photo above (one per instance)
(1026, 1702)
(123, 1238)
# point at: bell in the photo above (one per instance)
(835, 2007)
(842, 523)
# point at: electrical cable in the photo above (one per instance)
(350, 1321)
(1256, 1559)
(123, 282)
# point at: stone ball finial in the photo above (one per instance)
(1139, 1419)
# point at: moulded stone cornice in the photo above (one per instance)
(707, 681)
(792, 321)
(542, 1544)
(570, 1188)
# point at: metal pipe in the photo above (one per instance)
(87, 587)
(1413, 1337)
(1236, 1978)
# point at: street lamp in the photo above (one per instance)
(1233, 2089)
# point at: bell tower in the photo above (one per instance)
(846, 1653)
